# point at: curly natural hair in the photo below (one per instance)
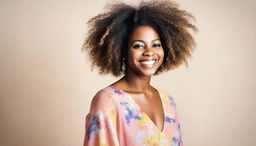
(109, 32)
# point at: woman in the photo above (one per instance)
(136, 42)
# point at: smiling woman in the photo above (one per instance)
(136, 42)
(145, 53)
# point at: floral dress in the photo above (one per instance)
(115, 119)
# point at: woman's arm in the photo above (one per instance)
(100, 126)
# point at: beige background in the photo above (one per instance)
(46, 84)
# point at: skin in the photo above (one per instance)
(144, 45)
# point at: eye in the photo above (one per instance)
(138, 46)
(158, 45)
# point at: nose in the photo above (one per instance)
(148, 51)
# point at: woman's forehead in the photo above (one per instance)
(144, 33)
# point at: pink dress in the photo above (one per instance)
(115, 119)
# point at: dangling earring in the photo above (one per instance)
(123, 65)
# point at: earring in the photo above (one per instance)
(123, 65)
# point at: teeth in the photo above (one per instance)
(148, 62)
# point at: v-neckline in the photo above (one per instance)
(142, 112)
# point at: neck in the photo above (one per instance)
(137, 83)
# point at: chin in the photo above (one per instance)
(147, 72)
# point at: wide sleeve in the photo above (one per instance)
(177, 139)
(101, 128)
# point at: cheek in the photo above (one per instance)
(161, 54)
(131, 57)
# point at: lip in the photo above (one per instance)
(147, 59)
(148, 63)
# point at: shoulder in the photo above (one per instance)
(104, 100)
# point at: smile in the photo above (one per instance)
(148, 63)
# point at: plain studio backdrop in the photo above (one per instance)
(46, 83)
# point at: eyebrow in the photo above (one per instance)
(144, 41)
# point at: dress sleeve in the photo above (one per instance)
(100, 127)
(177, 139)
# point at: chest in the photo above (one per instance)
(151, 106)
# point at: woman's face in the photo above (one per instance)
(145, 52)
